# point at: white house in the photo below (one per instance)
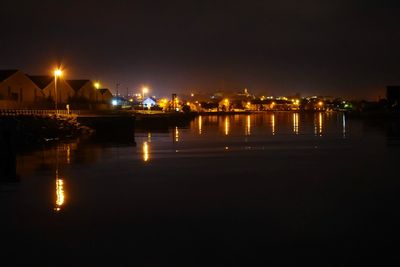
(149, 102)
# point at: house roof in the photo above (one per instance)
(42, 81)
(104, 90)
(77, 84)
(4, 74)
(150, 98)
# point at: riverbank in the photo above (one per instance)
(26, 130)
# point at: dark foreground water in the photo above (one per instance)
(275, 188)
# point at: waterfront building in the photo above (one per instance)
(17, 90)
(103, 96)
(84, 89)
(47, 84)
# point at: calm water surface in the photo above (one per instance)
(282, 188)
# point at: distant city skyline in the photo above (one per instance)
(340, 48)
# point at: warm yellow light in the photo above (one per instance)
(145, 90)
(97, 85)
(227, 126)
(58, 73)
(188, 103)
(226, 101)
(273, 123)
(145, 152)
(176, 134)
(59, 194)
(248, 125)
(192, 95)
(68, 153)
(296, 123)
(320, 122)
(200, 124)
(320, 103)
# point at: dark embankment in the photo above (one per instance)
(33, 130)
(163, 120)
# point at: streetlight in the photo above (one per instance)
(145, 90)
(97, 85)
(57, 73)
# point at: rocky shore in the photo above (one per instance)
(32, 130)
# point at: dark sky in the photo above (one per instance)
(343, 48)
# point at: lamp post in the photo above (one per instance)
(57, 73)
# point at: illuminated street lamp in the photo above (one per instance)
(57, 73)
(145, 90)
(97, 85)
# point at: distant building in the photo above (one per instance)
(393, 96)
(17, 90)
(149, 102)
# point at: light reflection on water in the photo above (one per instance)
(60, 195)
(205, 136)
(224, 174)
(296, 123)
(226, 125)
(146, 153)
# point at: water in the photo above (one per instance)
(282, 188)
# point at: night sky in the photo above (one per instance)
(341, 48)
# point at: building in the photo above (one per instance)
(393, 96)
(17, 90)
(47, 85)
(103, 96)
(83, 89)
(21, 91)
(149, 102)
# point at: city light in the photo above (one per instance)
(227, 125)
(97, 85)
(248, 125)
(60, 196)
(273, 123)
(146, 155)
(296, 123)
(176, 134)
(58, 73)
(320, 124)
(200, 120)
